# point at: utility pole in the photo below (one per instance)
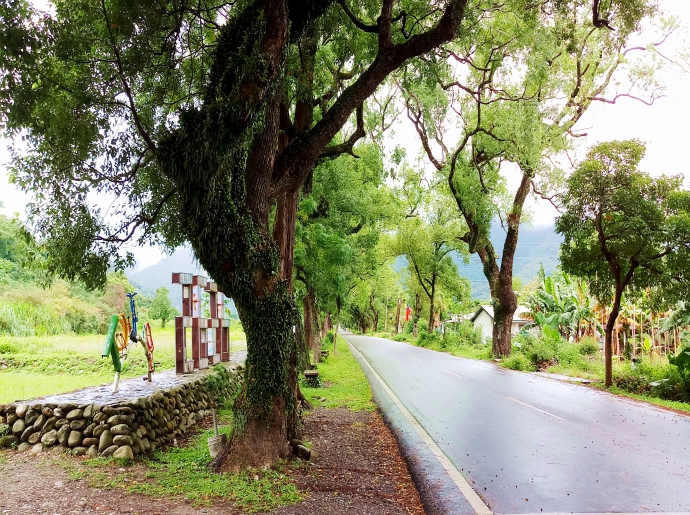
(397, 316)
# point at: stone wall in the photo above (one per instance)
(123, 429)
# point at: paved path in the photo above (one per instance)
(529, 444)
(131, 389)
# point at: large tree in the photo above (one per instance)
(200, 121)
(624, 230)
(428, 242)
(514, 90)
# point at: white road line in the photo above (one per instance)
(541, 410)
(475, 501)
(415, 358)
(451, 373)
(396, 350)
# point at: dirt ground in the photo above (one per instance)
(359, 471)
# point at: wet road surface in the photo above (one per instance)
(529, 444)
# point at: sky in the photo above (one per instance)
(662, 127)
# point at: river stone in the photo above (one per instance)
(49, 438)
(67, 407)
(58, 450)
(10, 408)
(21, 410)
(124, 452)
(118, 419)
(89, 430)
(12, 418)
(142, 430)
(4, 429)
(47, 411)
(23, 447)
(50, 424)
(105, 441)
(26, 434)
(89, 412)
(79, 451)
(98, 431)
(59, 412)
(75, 414)
(61, 422)
(34, 438)
(74, 438)
(37, 449)
(40, 422)
(31, 417)
(146, 444)
(8, 441)
(100, 417)
(78, 425)
(18, 427)
(63, 435)
(109, 411)
(125, 410)
(88, 442)
(92, 452)
(123, 440)
(120, 429)
(109, 451)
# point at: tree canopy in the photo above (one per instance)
(625, 230)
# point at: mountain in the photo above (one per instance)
(536, 245)
(149, 279)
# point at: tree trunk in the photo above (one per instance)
(375, 313)
(608, 340)
(311, 325)
(430, 329)
(337, 323)
(397, 316)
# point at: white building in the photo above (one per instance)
(483, 318)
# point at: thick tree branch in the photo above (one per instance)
(347, 146)
(358, 23)
(293, 166)
(135, 114)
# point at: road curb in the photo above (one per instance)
(438, 493)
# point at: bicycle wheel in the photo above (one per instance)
(122, 335)
(148, 341)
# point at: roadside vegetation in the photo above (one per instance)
(182, 472)
(343, 382)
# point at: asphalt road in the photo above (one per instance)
(528, 444)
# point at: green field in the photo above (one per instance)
(33, 366)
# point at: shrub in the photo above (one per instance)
(518, 361)
(588, 346)
(401, 337)
(468, 334)
(632, 381)
(8, 348)
(329, 337)
(427, 340)
(541, 352)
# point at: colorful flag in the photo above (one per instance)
(407, 313)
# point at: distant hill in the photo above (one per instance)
(149, 279)
(535, 245)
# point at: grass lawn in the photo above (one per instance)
(46, 365)
(343, 382)
(182, 473)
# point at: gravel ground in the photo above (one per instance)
(359, 471)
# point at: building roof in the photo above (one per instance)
(490, 311)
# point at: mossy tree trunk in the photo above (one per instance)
(233, 159)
